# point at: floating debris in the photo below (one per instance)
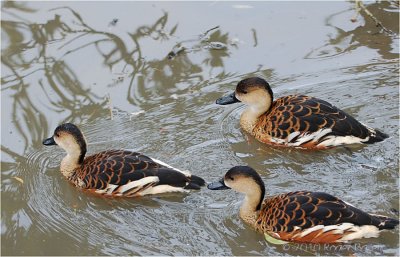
(20, 180)
(113, 22)
(216, 46)
(205, 39)
(133, 114)
(175, 51)
(255, 37)
(137, 113)
(205, 34)
(110, 106)
(201, 42)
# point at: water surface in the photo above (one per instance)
(105, 66)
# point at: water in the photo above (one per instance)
(72, 62)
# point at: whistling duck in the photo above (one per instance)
(117, 172)
(302, 216)
(296, 120)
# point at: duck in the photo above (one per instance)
(300, 216)
(116, 173)
(296, 120)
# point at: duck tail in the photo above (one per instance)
(195, 182)
(376, 135)
(383, 222)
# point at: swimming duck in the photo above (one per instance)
(296, 120)
(117, 172)
(302, 216)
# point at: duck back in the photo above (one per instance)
(308, 122)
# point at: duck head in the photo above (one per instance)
(252, 91)
(245, 180)
(70, 138)
(257, 94)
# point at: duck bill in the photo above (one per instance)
(49, 141)
(218, 185)
(229, 99)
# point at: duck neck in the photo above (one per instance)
(73, 160)
(251, 206)
(250, 116)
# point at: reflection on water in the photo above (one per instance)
(367, 33)
(62, 88)
(71, 62)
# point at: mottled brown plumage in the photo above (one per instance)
(296, 120)
(301, 216)
(117, 172)
(286, 216)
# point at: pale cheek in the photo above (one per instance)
(227, 183)
(240, 187)
(65, 144)
(58, 142)
(244, 99)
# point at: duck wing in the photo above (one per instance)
(300, 120)
(319, 218)
(125, 173)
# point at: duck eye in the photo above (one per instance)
(244, 92)
(57, 135)
(231, 178)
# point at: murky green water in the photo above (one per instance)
(68, 61)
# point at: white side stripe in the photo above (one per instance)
(314, 137)
(162, 189)
(356, 232)
(333, 141)
(293, 135)
(133, 184)
(186, 173)
(138, 183)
